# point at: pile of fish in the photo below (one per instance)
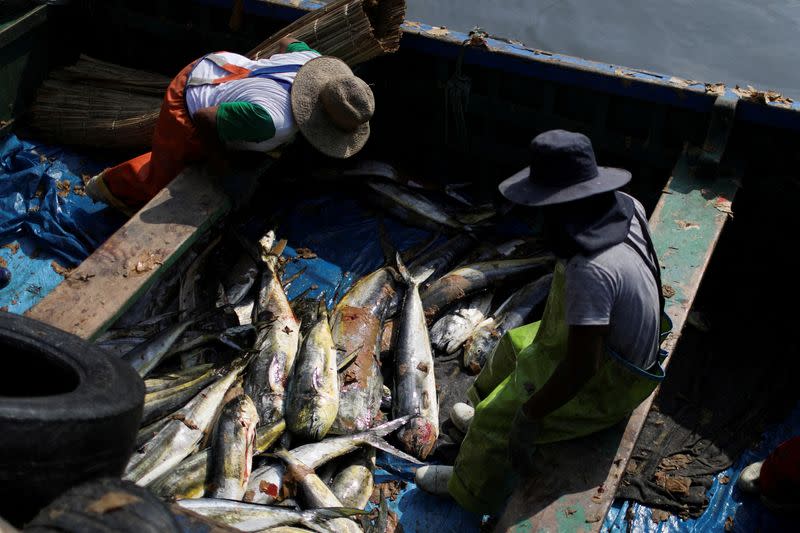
(262, 412)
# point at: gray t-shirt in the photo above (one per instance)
(615, 287)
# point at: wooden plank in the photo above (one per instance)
(578, 479)
(101, 288)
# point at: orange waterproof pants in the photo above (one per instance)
(176, 143)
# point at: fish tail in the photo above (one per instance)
(380, 444)
(410, 279)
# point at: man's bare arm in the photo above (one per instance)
(205, 119)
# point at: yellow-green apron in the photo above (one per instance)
(522, 362)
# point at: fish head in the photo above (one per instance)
(418, 436)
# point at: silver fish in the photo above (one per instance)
(148, 432)
(354, 483)
(356, 326)
(172, 379)
(146, 356)
(477, 276)
(233, 448)
(182, 435)
(312, 398)
(316, 493)
(163, 402)
(277, 341)
(414, 383)
(266, 482)
(249, 517)
(187, 293)
(455, 327)
(412, 206)
(120, 346)
(511, 314)
(190, 478)
(240, 278)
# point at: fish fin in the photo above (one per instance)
(279, 247)
(380, 444)
(288, 281)
(390, 426)
(349, 358)
(322, 307)
(402, 270)
(314, 519)
(407, 276)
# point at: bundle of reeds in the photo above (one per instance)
(94, 103)
(91, 71)
(352, 30)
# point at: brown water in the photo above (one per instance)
(754, 42)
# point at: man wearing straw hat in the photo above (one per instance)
(225, 101)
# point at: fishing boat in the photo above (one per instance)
(459, 106)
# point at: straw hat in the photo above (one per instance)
(332, 106)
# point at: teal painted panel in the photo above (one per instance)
(686, 225)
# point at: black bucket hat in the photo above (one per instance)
(562, 169)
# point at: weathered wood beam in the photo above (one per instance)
(101, 288)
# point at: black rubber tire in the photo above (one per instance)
(102, 506)
(68, 413)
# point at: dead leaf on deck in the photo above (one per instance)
(659, 516)
(729, 524)
(60, 270)
(685, 224)
(675, 461)
(305, 253)
(677, 485)
(667, 291)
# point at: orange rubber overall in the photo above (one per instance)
(176, 144)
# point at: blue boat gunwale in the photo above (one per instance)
(552, 66)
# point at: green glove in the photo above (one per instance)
(521, 442)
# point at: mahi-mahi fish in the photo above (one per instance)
(182, 435)
(455, 327)
(233, 448)
(356, 326)
(312, 396)
(276, 341)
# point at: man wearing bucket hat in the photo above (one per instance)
(595, 354)
(224, 101)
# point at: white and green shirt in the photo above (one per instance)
(253, 113)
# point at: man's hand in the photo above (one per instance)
(521, 442)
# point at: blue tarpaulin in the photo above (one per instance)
(43, 220)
